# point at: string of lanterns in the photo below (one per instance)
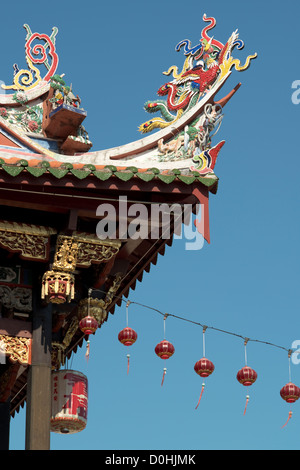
(246, 376)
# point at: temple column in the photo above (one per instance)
(38, 407)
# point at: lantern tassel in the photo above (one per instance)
(87, 353)
(203, 385)
(247, 401)
(128, 356)
(290, 415)
(163, 377)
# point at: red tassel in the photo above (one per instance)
(163, 377)
(128, 356)
(247, 400)
(203, 385)
(290, 415)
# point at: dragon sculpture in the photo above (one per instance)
(205, 64)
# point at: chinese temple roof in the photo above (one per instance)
(50, 177)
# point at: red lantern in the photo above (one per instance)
(290, 393)
(127, 337)
(164, 350)
(204, 368)
(88, 325)
(246, 376)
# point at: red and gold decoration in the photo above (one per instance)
(246, 376)
(69, 402)
(164, 349)
(58, 284)
(127, 336)
(204, 367)
(58, 287)
(290, 392)
(88, 323)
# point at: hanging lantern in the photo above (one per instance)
(203, 367)
(290, 392)
(88, 325)
(69, 402)
(164, 350)
(246, 376)
(58, 287)
(127, 336)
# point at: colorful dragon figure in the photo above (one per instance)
(40, 50)
(205, 64)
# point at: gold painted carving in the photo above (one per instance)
(58, 353)
(17, 349)
(30, 241)
(98, 307)
(90, 249)
(66, 255)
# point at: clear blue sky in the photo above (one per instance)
(246, 281)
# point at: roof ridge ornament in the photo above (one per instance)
(205, 65)
(39, 50)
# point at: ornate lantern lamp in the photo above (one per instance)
(58, 287)
(69, 402)
(204, 367)
(58, 284)
(246, 376)
(164, 349)
(127, 336)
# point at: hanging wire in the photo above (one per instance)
(204, 330)
(127, 305)
(165, 317)
(268, 343)
(245, 344)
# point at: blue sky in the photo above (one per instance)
(246, 281)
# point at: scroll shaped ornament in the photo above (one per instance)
(40, 51)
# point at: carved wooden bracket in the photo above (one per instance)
(32, 242)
